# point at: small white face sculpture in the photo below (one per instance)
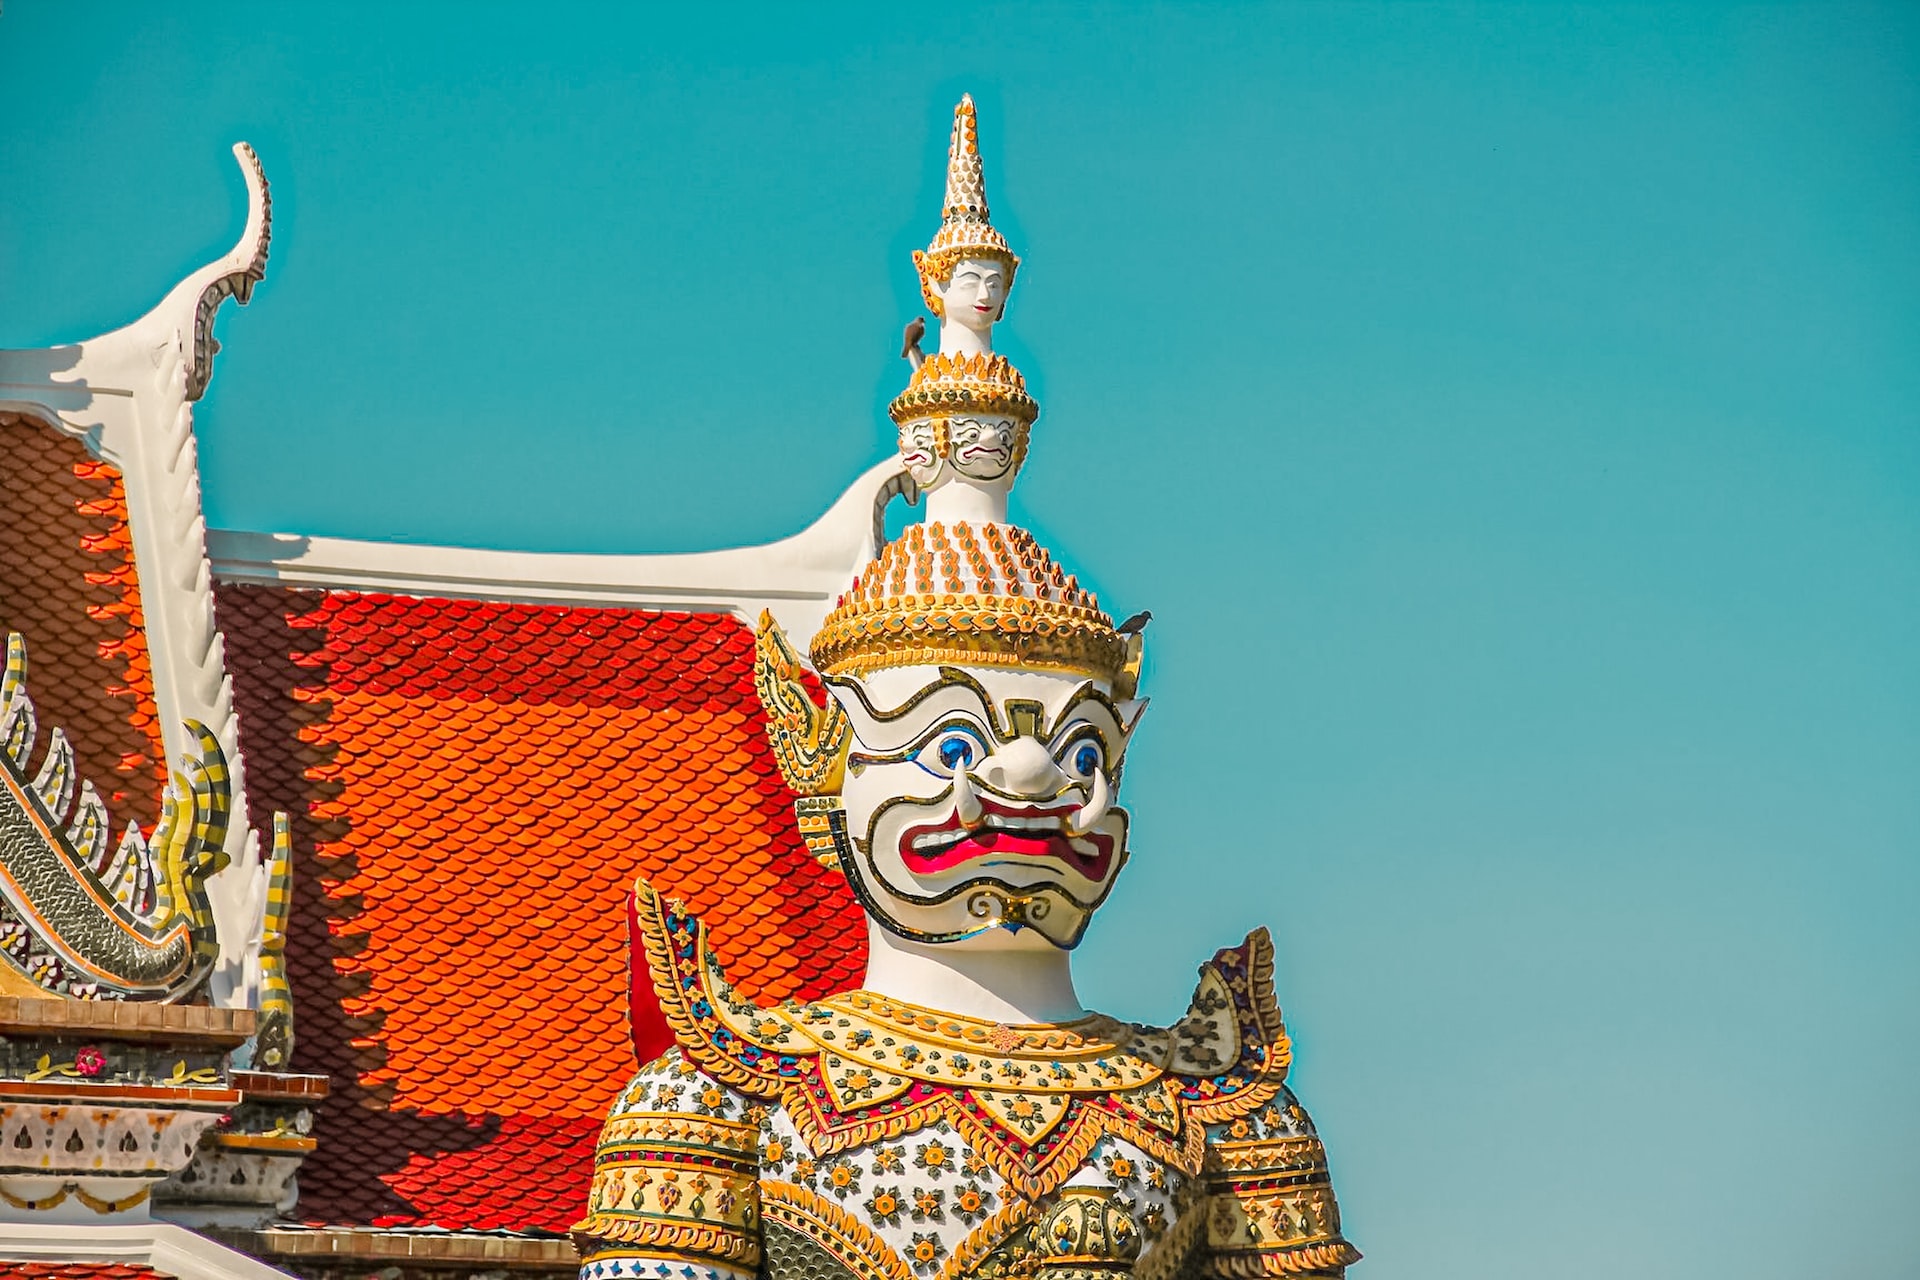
(982, 448)
(975, 295)
(920, 451)
(979, 802)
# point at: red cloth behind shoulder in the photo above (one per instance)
(651, 1034)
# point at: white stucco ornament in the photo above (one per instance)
(128, 396)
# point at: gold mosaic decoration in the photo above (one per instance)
(1273, 1211)
(809, 741)
(947, 385)
(986, 596)
(847, 1239)
(1033, 1101)
(681, 1184)
(965, 231)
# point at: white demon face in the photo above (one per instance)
(979, 802)
(982, 448)
(920, 450)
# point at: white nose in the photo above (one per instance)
(1023, 768)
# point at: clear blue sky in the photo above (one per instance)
(1511, 415)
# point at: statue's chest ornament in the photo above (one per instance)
(1033, 1100)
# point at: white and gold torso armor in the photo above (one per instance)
(859, 1137)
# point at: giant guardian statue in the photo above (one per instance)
(961, 1114)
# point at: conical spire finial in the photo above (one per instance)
(966, 187)
(964, 231)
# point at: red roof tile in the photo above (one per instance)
(80, 1271)
(473, 787)
(67, 585)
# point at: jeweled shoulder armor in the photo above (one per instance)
(1033, 1104)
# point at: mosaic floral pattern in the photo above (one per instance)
(927, 1197)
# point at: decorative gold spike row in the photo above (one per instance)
(1274, 1211)
(684, 1186)
(809, 741)
(957, 384)
(1299, 1262)
(602, 1236)
(923, 630)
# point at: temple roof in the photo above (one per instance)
(67, 584)
(473, 787)
(476, 752)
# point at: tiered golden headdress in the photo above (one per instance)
(954, 385)
(986, 596)
(963, 592)
(965, 231)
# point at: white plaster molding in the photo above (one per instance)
(796, 579)
(228, 1187)
(129, 396)
(160, 1245)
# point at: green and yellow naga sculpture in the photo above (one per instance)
(82, 916)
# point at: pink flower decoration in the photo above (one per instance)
(89, 1061)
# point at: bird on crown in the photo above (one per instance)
(962, 1114)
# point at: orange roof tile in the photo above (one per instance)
(473, 787)
(67, 584)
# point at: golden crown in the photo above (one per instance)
(965, 231)
(944, 385)
(986, 596)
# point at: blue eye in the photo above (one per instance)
(954, 748)
(1086, 759)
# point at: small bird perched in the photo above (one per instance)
(1136, 624)
(910, 341)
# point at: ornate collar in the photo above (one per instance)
(1033, 1099)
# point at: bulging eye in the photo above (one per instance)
(1084, 758)
(951, 750)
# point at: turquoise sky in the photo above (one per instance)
(1511, 415)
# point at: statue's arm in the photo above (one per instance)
(675, 1181)
(1270, 1204)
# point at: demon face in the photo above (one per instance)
(980, 801)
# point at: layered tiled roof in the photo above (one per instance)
(473, 787)
(67, 584)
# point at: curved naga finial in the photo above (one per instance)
(79, 916)
(232, 276)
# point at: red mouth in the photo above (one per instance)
(1006, 832)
